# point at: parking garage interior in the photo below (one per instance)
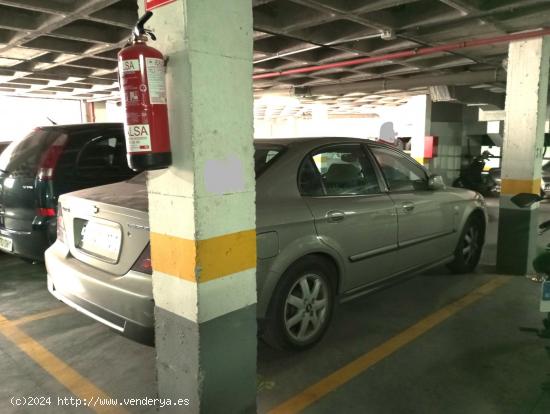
(318, 205)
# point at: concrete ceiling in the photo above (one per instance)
(63, 48)
(67, 48)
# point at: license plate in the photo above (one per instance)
(101, 240)
(6, 244)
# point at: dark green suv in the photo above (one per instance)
(51, 161)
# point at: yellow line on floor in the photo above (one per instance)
(37, 316)
(67, 376)
(340, 377)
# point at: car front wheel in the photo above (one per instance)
(302, 305)
(470, 244)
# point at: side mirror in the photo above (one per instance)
(435, 182)
(523, 200)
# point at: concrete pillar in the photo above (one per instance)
(526, 98)
(100, 111)
(446, 123)
(472, 130)
(202, 210)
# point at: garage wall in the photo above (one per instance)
(18, 116)
(298, 127)
(407, 120)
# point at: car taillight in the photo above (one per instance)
(60, 225)
(48, 162)
(143, 264)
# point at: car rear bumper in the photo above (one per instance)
(124, 303)
(28, 244)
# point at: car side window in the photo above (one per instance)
(338, 171)
(309, 179)
(103, 156)
(401, 174)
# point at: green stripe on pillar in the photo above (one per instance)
(517, 237)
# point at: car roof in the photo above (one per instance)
(84, 127)
(308, 140)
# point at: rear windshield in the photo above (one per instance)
(23, 156)
(264, 156)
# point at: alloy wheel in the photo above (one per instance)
(306, 307)
(471, 244)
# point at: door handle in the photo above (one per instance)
(335, 216)
(407, 206)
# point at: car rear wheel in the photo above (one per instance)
(470, 244)
(302, 305)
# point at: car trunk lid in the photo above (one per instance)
(107, 227)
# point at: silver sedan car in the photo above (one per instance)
(336, 218)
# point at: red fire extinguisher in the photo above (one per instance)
(143, 90)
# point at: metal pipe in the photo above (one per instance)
(409, 53)
(461, 78)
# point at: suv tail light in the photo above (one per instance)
(48, 162)
(45, 212)
(60, 225)
(143, 263)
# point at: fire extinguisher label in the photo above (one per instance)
(130, 65)
(138, 138)
(155, 80)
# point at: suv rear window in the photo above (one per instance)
(23, 156)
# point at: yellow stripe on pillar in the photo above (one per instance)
(211, 258)
(512, 187)
(227, 254)
(174, 256)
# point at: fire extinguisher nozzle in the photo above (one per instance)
(139, 28)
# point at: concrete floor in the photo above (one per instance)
(475, 361)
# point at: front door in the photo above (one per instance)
(426, 218)
(352, 214)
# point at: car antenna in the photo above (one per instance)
(51, 120)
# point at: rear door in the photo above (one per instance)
(19, 165)
(426, 218)
(352, 213)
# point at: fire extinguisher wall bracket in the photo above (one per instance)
(143, 89)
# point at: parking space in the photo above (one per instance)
(433, 342)
(274, 206)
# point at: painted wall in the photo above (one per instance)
(19, 116)
(407, 120)
(108, 111)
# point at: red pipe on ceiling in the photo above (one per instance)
(410, 53)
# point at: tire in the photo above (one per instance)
(295, 320)
(468, 249)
